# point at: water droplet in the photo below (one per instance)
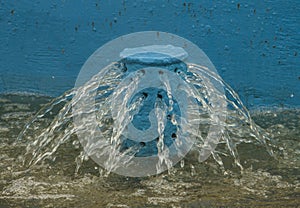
(182, 163)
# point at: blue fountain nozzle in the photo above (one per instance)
(167, 56)
(154, 55)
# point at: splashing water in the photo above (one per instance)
(161, 104)
(124, 132)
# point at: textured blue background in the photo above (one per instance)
(254, 45)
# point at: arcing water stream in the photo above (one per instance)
(48, 166)
(148, 130)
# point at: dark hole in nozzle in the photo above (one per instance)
(174, 136)
(145, 94)
(124, 69)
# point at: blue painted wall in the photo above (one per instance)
(255, 45)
